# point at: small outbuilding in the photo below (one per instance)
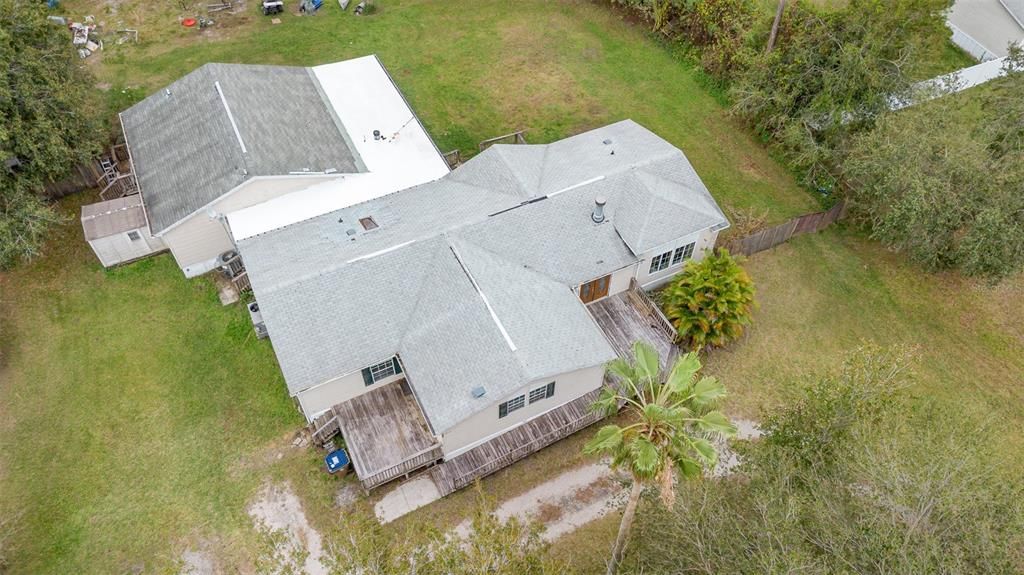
(118, 232)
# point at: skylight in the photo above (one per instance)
(368, 223)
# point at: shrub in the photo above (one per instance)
(710, 302)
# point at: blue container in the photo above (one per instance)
(336, 461)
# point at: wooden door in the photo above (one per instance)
(595, 290)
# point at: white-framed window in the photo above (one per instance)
(672, 258)
(682, 253)
(660, 262)
(382, 370)
(542, 392)
(511, 405)
(134, 236)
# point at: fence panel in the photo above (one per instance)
(771, 237)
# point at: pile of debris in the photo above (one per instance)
(85, 35)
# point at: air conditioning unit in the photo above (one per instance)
(257, 320)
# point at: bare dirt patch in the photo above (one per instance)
(279, 510)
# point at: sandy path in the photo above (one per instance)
(577, 497)
(278, 508)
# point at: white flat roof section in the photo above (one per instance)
(365, 99)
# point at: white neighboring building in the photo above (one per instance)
(985, 28)
(227, 137)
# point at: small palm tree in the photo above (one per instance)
(673, 423)
(710, 302)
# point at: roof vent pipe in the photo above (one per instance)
(598, 215)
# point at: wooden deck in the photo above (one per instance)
(515, 444)
(386, 434)
(627, 317)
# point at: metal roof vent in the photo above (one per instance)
(607, 142)
(598, 215)
(479, 392)
(350, 232)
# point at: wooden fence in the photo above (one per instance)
(769, 238)
(82, 177)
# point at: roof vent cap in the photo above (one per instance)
(479, 392)
(607, 142)
(598, 215)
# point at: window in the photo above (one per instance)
(682, 253)
(660, 262)
(368, 223)
(542, 392)
(383, 370)
(511, 405)
(673, 258)
(134, 236)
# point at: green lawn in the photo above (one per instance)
(129, 401)
(138, 416)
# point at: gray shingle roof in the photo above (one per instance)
(336, 302)
(184, 147)
(107, 218)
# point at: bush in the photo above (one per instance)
(719, 27)
(710, 302)
(926, 493)
(832, 72)
(943, 181)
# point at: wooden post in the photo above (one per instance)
(775, 25)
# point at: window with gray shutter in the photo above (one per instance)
(511, 405)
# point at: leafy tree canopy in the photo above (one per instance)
(845, 482)
(832, 71)
(944, 181)
(50, 121)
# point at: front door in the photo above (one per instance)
(595, 290)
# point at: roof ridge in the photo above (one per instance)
(643, 172)
(420, 291)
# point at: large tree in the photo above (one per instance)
(832, 71)
(854, 476)
(670, 425)
(943, 181)
(50, 121)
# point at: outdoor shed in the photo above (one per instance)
(118, 231)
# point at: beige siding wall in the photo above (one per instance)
(485, 424)
(316, 400)
(118, 248)
(704, 241)
(200, 238)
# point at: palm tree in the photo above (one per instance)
(673, 422)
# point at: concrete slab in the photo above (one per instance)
(406, 498)
(988, 22)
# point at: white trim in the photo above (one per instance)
(380, 252)
(231, 117)
(311, 176)
(574, 186)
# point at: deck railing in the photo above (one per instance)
(517, 137)
(119, 187)
(647, 305)
(418, 460)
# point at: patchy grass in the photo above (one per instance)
(130, 404)
(821, 295)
